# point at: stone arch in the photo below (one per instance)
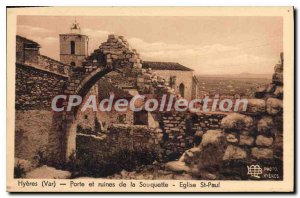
(113, 55)
(80, 88)
(90, 80)
(181, 89)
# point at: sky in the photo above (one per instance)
(210, 45)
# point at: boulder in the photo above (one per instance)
(260, 92)
(236, 121)
(234, 152)
(271, 88)
(212, 148)
(264, 141)
(177, 166)
(278, 67)
(262, 153)
(208, 176)
(278, 78)
(265, 124)
(211, 137)
(231, 138)
(256, 106)
(46, 172)
(278, 143)
(188, 155)
(279, 92)
(274, 106)
(246, 140)
(199, 133)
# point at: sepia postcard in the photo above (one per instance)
(150, 99)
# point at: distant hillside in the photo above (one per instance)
(241, 75)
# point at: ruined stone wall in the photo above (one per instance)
(35, 88)
(245, 139)
(37, 126)
(260, 136)
(52, 65)
(119, 137)
(184, 77)
(116, 54)
(183, 130)
(85, 120)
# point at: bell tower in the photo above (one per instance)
(73, 46)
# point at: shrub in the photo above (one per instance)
(19, 171)
(41, 157)
(102, 165)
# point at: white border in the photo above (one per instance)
(3, 5)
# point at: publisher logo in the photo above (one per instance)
(254, 171)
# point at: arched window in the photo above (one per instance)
(72, 47)
(181, 89)
(72, 63)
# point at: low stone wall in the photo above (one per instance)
(183, 130)
(253, 138)
(119, 137)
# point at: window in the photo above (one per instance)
(181, 89)
(172, 81)
(86, 117)
(72, 47)
(72, 64)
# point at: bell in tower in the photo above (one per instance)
(75, 28)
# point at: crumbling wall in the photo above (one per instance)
(251, 138)
(35, 88)
(108, 149)
(116, 54)
(183, 130)
(38, 129)
(182, 77)
(119, 137)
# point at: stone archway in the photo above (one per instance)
(113, 55)
(69, 118)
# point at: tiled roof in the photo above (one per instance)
(164, 66)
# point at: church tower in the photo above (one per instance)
(73, 46)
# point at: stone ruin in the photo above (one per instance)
(254, 137)
(116, 54)
(226, 143)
